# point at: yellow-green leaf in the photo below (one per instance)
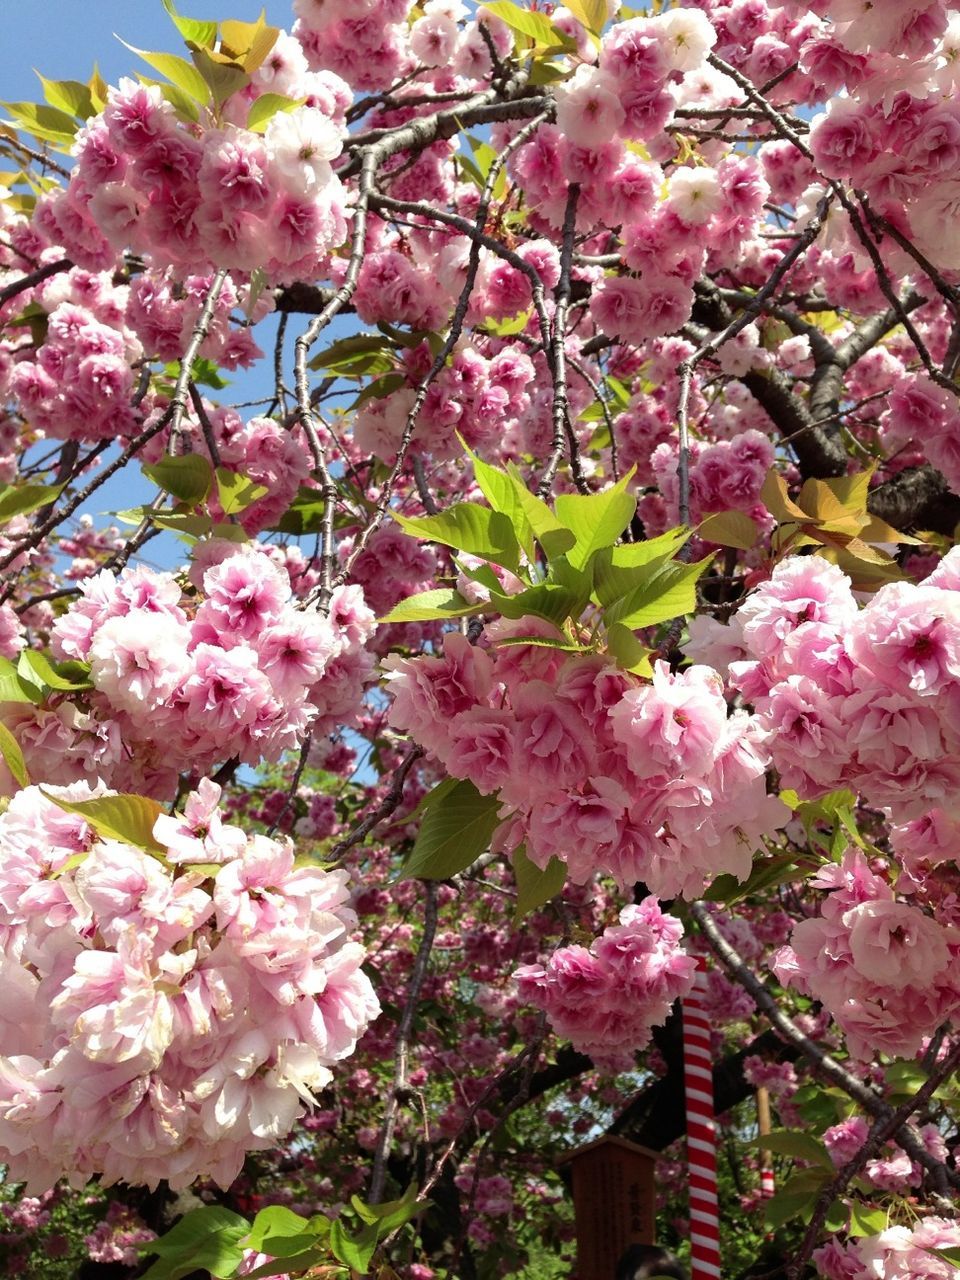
(730, 529)
(13, 756)
(127, 818)
(264, 108)
(177, 70)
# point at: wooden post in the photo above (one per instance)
(614, 1203)
(763, 1128)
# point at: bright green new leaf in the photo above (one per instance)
(730, 529)
(188, 477)
(630, 654)
(553, 601)
(555, 538)
(196, 29)
(364, 353)
(670, 592)
(767, 872)
(36, 668)
(236, 492)
(264, 108)
(467, 526)
(177, 70)
(13, 687)
(393, 1213)
(45, 122)
(865, 1220)
(535, 25)
(596, 519)
(501, 491)
(618, 570)
(485, 156)
(454, 833)
(535, 887)
(13, 756)
(20, 500)
(204, 1239)
(68, 95)
(282, 1233)
(591, 14)
(248, 42)
(222, 76)
(380, 388)
(127, 818)
(443, 602)
(353, 1250)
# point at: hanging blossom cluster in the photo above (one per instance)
(898, 1253)
(164, 1014)
(886, 971)
(182, 681)
(199, 200)
(654, 781)
(863, 698)
(607, 1000)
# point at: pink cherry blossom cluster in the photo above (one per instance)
(853, 697)
(198, 201)
(80, 384)
(885, 970)
(893, 1171)
(164, 1014)
(182, 682)
(607, 1000)
(726, 476)
(898, 1253)
(651, 781)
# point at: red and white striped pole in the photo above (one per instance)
(701, 1135)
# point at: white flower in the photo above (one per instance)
(695, 195)
(300, 145)
(687, 35)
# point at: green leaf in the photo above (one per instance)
(484, 155)
(467, 526)
(207, 1238)
(393, 1213)
(13, 687)
(363, 353)
(503, 494)
(37, 669)
(618, 570)
(535, 25)
(796, 1198)
(535, 887)
(354, 1251)
(264, 108)
(187, 108)
(591, 14)
(442, 602)
(45, 122)
(13, 756)
(20, 500)
(670, 592)
(380, 388)
(127, 818)
(195, 29)
(553, 601)
(794, 1142)
(177, 70)
(865, 1220)
(282, 1233)
(555, 538)
(730, 529)
(223, 76)
(630, 654)
(236, 492)
(68, 95)
(597, 519)
(454, 833)
(248, 42)
(187, 477)
(766, 874)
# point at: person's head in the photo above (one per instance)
(645, 1261)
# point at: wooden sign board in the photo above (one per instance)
(614, 1203)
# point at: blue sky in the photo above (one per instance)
(63, 39)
